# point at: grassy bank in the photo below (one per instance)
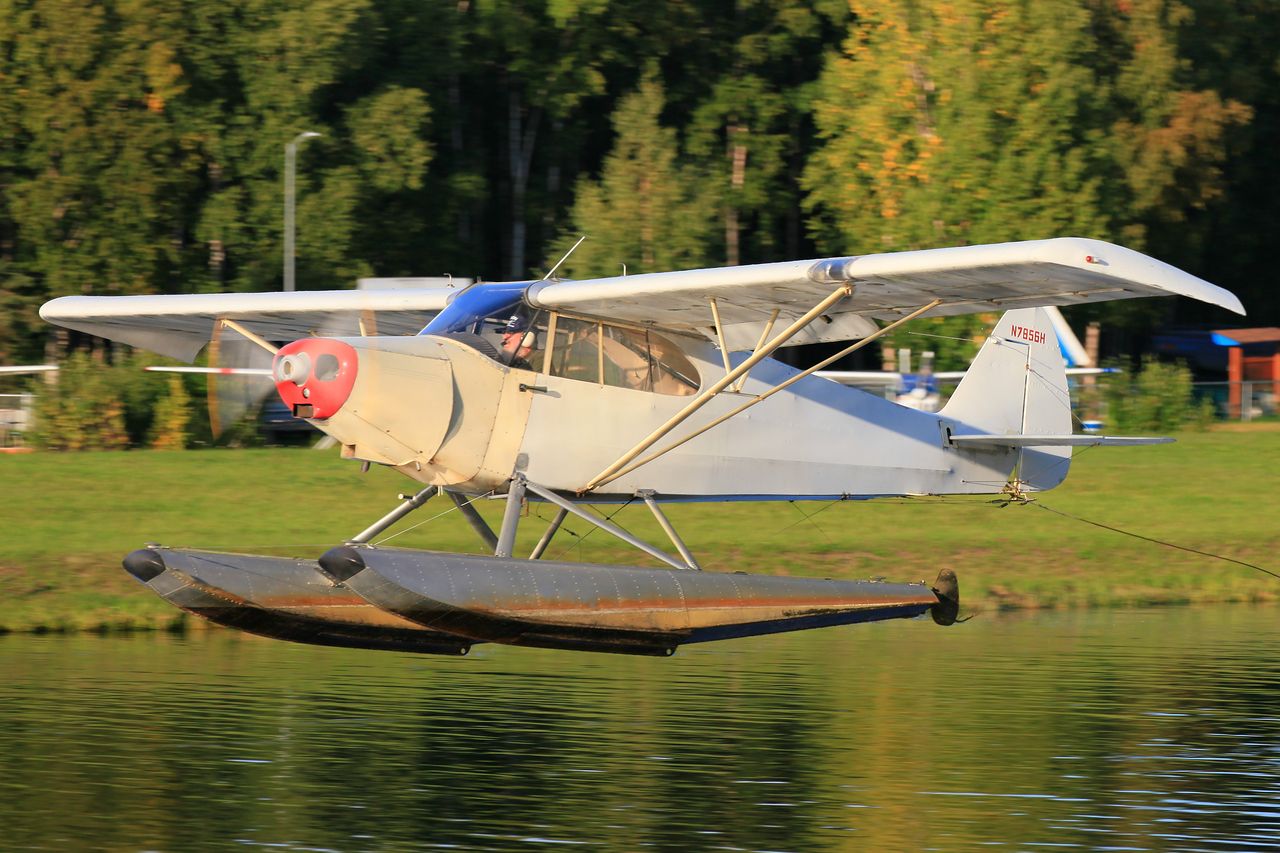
(66, 520)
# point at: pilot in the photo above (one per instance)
(518, 342)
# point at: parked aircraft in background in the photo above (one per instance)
(921, 389)
(22, 369)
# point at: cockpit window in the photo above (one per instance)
(620, 356)
(471, 308)
(494, 319)
(576, 352)
(672, 372)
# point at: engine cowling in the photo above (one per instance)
(426, 404)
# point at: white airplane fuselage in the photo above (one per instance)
(447, 414)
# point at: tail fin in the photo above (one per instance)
(1018, 386)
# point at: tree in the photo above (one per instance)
(980, 122)
(93, 167)
(750, 128)
(964, 123)
(170, 427)
(84, 410)
(141, 141)
(1229, 48)
(647, 210)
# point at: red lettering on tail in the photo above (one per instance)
(1031, 336)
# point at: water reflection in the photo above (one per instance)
(1121, 730)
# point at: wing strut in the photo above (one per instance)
(257, 339)
(841, 292)
(764, 334)
(857, 345)
(724, 349)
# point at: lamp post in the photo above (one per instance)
(290, 158)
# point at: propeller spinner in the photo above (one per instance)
(314, 376)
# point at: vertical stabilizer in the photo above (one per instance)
(1018, 386)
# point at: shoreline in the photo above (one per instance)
(1211, 491)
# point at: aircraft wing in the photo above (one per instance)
(180, 325)
(19, 369)
(968, 279)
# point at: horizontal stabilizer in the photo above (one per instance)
(1055, 440)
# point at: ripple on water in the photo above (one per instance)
(1110, 730)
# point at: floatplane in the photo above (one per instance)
(651, 388)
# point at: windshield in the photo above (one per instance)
(494, 319)
(472, 307)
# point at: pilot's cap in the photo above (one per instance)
(517, 323)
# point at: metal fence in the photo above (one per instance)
(17, 418)
(1243, 401)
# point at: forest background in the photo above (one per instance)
(141, 141)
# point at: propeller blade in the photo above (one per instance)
(239, 374)
(211, 388)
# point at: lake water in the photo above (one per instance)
(1117, 730)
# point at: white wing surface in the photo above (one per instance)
(180, 325)
(968, 279)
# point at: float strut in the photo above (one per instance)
(476, 521)
(551, 531)
(511, 517)
(604, 524)
(647, 496)
(408, 505)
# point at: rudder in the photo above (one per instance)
(1018, 386)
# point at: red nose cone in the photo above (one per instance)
(314, 376)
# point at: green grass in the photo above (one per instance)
(67, 519)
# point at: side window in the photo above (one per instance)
(673, 373)
(622, 357)
(626, 358)
(576, 350)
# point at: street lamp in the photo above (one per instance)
(290, 157)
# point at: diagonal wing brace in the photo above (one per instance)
(601, 480)
(841, 292)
